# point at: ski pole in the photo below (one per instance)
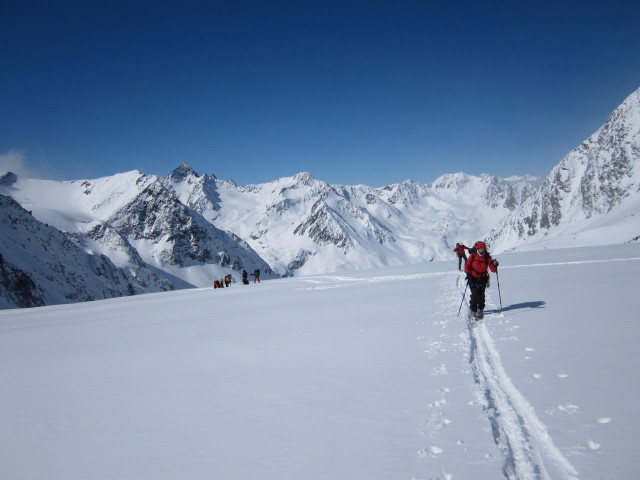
(499, 294)
(465, 292)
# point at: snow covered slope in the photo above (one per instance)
(366, 374)
(590, 197)
(40, 265)
(193, 228)
(133, 220)
(301, 225)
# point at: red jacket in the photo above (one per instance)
(460, 249)
(477, 265)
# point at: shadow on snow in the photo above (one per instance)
(518, 306)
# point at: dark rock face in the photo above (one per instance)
(43, 266)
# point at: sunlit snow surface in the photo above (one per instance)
(365, 375)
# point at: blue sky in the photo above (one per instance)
(353, 92)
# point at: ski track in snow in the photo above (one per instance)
(576, 262)
(326, 281)
(336, 281)
(518, 432)
(528, 449)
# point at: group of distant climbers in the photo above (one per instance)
(226, 281)
(476, 267)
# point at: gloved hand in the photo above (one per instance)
(495, 263)
(469, 279)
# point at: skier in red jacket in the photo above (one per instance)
(460, 248)
(477, 269)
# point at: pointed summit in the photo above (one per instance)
(452, 181)
(183, 171)
(305, 178)
(580, 193)
(8, 179)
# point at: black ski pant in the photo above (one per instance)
(460, 258)
(477, 286)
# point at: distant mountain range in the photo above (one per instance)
(133, 233)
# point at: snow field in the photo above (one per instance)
(366, 374)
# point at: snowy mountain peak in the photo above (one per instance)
(183, 172)
(305, 178)
(41, 265)
(451, 181)
(600, 177)
(303, 181)
(8, 179)
(191, 228)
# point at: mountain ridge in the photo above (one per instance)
(597, 177)
(190, 229)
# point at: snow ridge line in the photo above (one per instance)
(517, 430)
